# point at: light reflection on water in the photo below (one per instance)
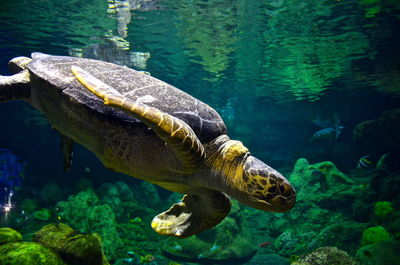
(287, 50)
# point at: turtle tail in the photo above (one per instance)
(17, 86)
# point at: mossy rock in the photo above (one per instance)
(53, 236)
(18, 253)
(8, 235)
(383, 210)
(382, 253)
(72, 246)
(374, 234)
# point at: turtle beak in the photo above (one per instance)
(285, 197)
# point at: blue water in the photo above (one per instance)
(272, 69)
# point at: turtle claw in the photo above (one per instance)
(194, 214)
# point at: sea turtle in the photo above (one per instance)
(150, 130)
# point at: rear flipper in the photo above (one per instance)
(66, 147)
(196, 212)
(16, 86)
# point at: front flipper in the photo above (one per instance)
(16, 86)
(197, 212)
(173, 131)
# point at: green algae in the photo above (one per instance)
(383, 209)
(18, 253)
(73, 247)
(8, 235)
(374, 234)
(382, 253)
(85, 212)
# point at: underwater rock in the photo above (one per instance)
(338, 234)
(152, 197)
(287, 242)
(322, 215)
(381, 135)
(8, 235)
(323, 184)
(382, 253)
(72, 246)
(326, 256)
(226, 243)
(268, 259)
(18, 253)
(139, 238)
(387, 186)
(383, 210)
(84, 212)
(374, 234)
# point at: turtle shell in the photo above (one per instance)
(137, 86)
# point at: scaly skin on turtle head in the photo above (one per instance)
(247, 178)
(267, 189)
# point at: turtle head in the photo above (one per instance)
(265, 187)
(248, 179)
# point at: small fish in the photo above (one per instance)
(128, 260)
(331, 133)
(214, 248)
(130, 253)
(364, 162)
(136, 220)
(264, 244)
(146, 259)
(177, 247)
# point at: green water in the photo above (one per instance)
(276, 71)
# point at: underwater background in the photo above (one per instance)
(310, 87)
